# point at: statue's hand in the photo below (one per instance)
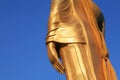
(53, 57)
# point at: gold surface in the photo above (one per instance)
(76, 36)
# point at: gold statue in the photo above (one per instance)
(75, 41)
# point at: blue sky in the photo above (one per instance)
(23, 28)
